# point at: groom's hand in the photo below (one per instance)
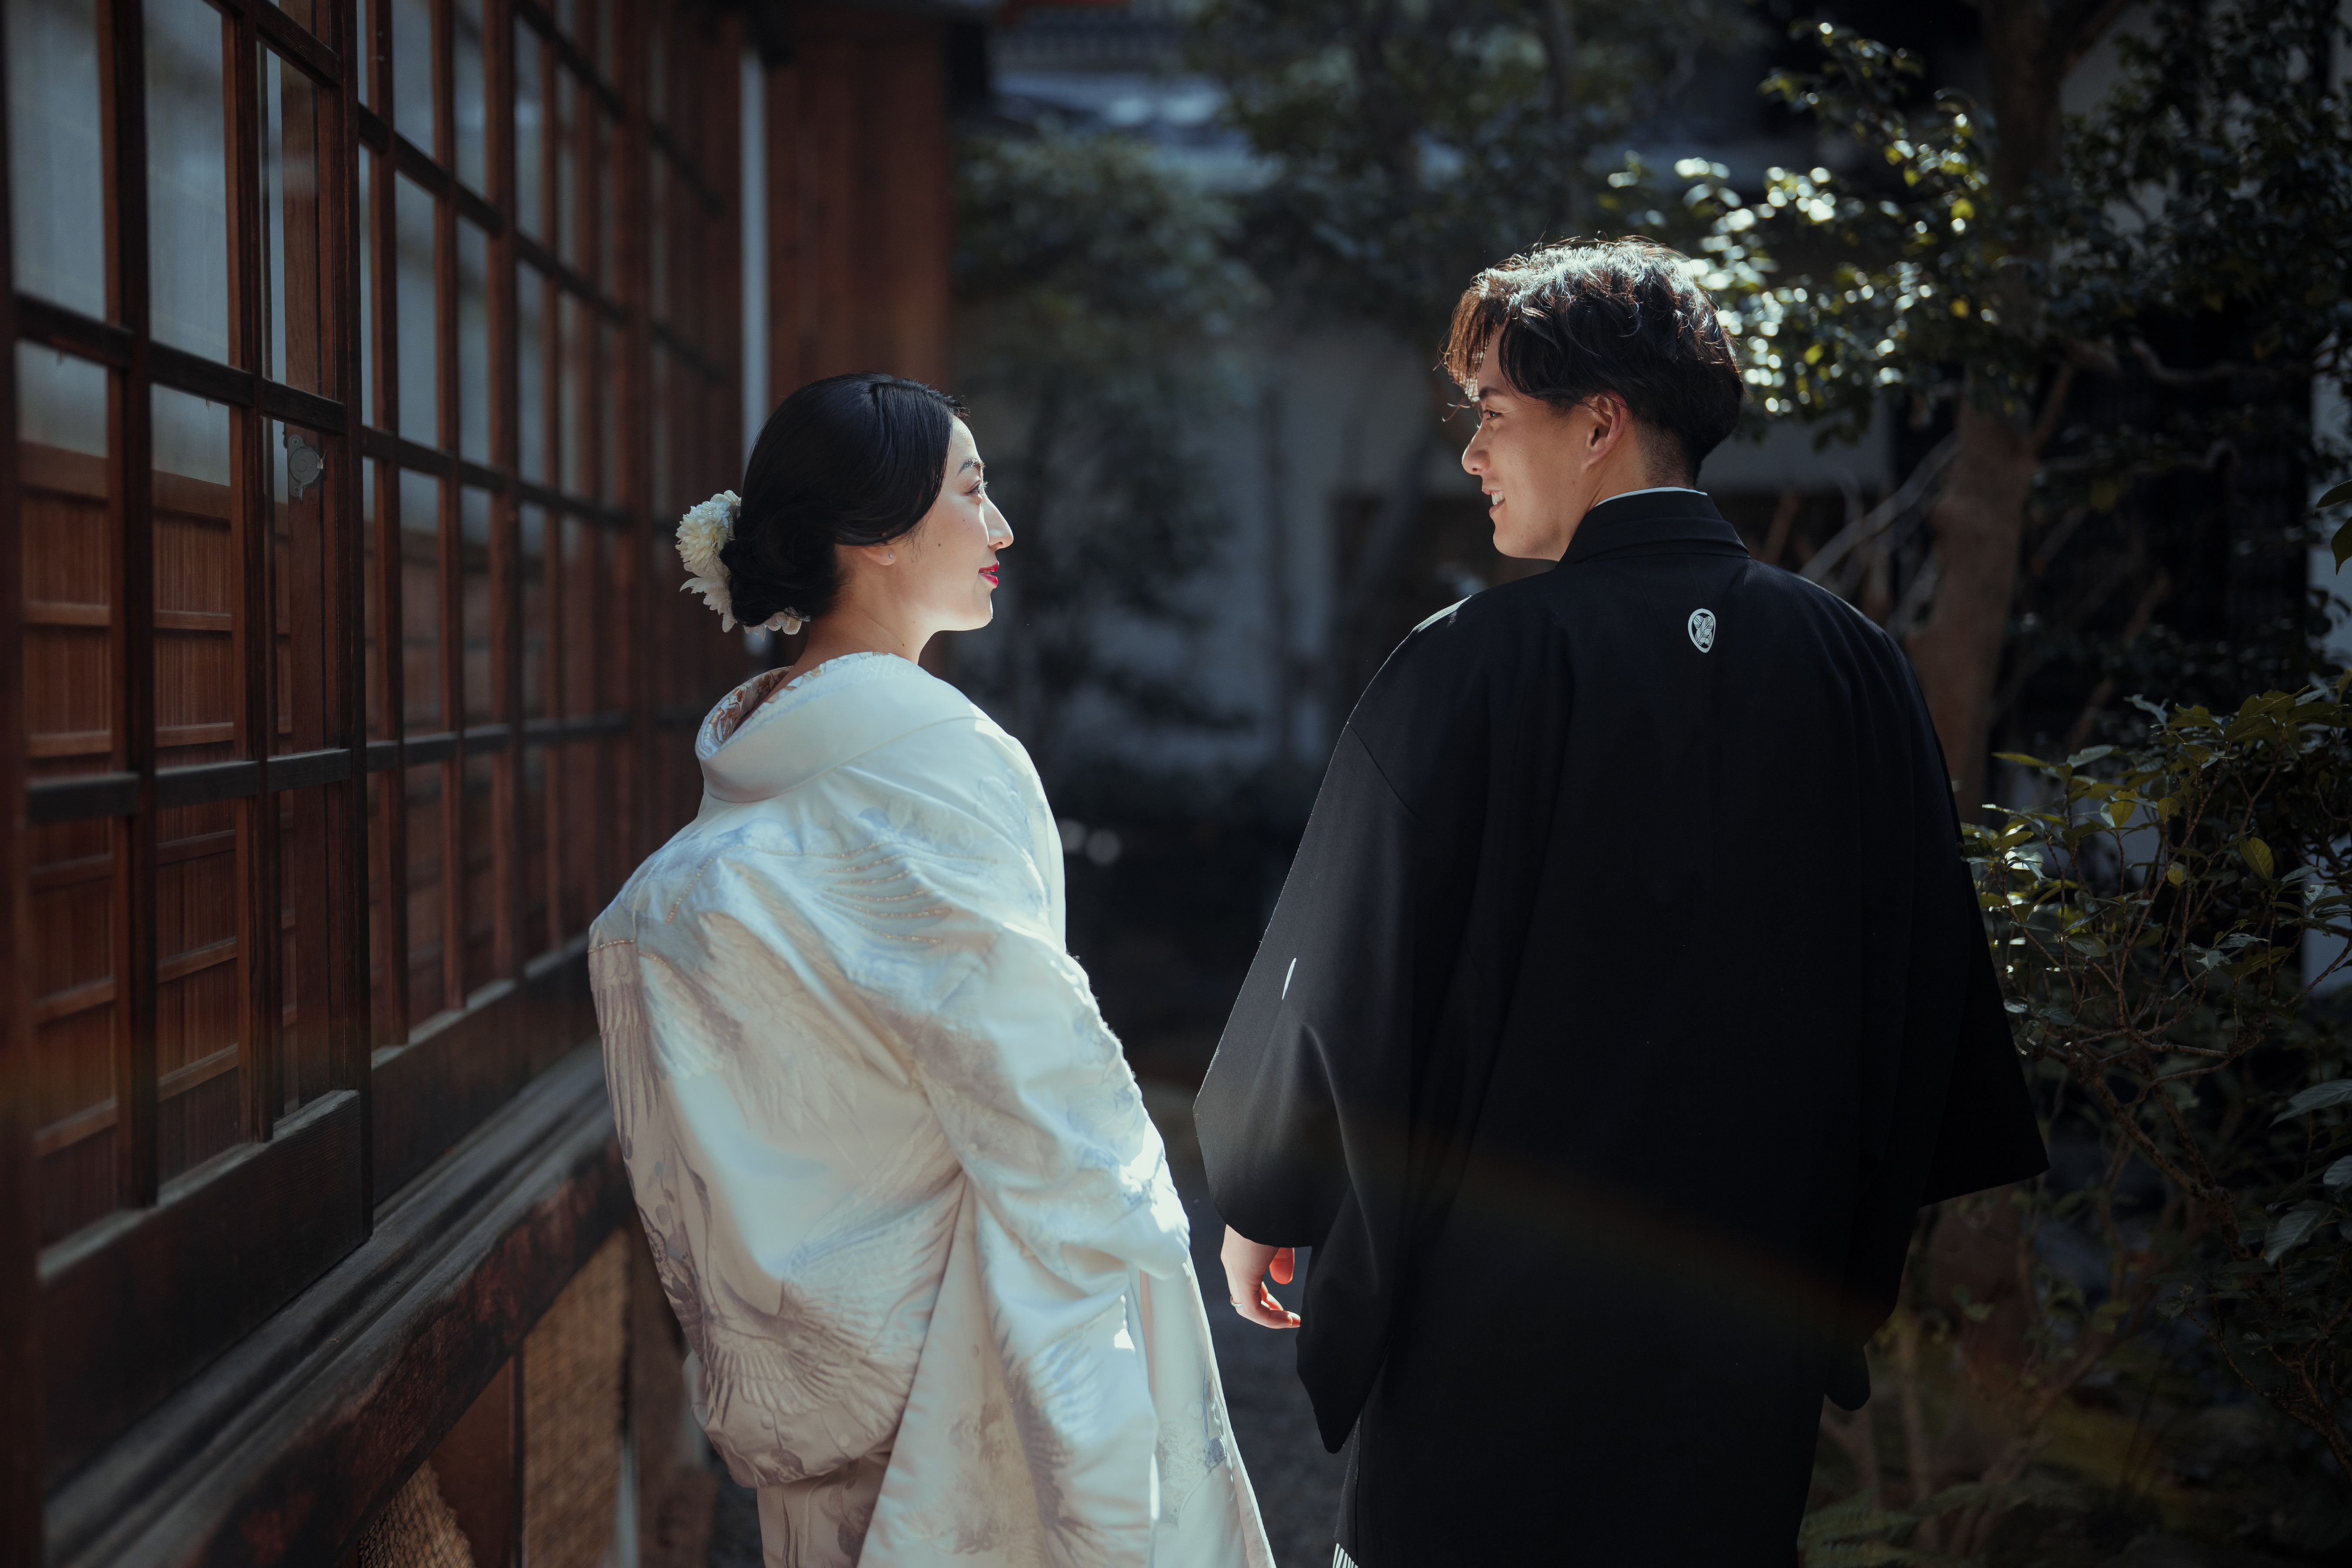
(1246, 1267)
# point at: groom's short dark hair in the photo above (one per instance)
(1578, 317)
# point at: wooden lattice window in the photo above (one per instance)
(364, 350)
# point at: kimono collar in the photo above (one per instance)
(834, 714)
(1653, 523)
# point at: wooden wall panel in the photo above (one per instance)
(859, 198)
(68, 961)
(199, 588)
(129, 1316)
(485, 914)
(200, 980)
(301, 1432)
(67, 660)
(430, 1092)
(311, 913)
(420, 891)
(907, 123)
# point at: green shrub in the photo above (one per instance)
(2151, 922)
(2150, 918)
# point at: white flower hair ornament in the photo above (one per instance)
(702, 533)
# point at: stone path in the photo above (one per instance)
(1297, 1483)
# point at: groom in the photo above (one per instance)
(1627, 999)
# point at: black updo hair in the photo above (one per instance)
(851, 460)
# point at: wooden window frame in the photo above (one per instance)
(127, 1308)
(287, 1199)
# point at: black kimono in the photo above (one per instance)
(1627, 999)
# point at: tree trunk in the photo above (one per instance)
(1977, 526)
(2030, 46)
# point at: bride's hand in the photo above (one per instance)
(1246, 1265)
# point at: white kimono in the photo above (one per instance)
(897, 1180)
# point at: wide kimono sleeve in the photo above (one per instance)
(1946, 1110)
(1341, 1102)
(947, 922)
(948, 914)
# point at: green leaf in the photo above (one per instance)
(2088, 755)
(2295, 1227)
(1855, 1516)
(2257, 855)
(2342, 543)
(2338, 495)
(2339, 1175)
(2318, 1097)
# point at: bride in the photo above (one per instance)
(897, 1180)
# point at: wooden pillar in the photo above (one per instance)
(859, 199)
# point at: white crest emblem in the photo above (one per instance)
(1702, 629)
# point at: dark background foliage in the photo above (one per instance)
(1096, 290)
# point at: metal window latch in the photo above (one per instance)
(304, 463)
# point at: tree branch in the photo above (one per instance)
(2105, 362)
(1882, 516)
(2142, 614)
(2028, 665)
(2054, 405)
(2077, 26)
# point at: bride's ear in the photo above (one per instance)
(874, 554)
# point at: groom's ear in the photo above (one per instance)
(1612, 425)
